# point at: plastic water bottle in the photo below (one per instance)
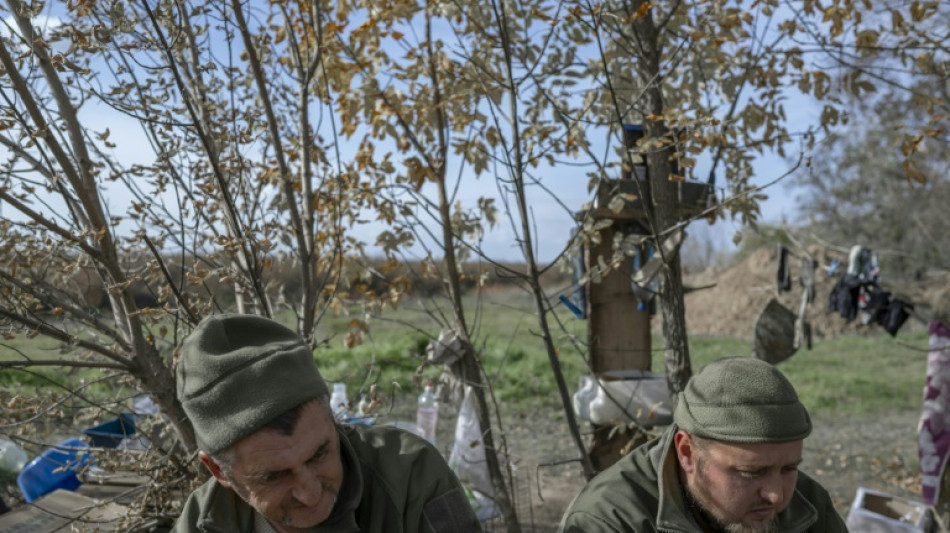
(12, 458)
(338, 402)
(427, 414)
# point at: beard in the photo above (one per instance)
(702, 508)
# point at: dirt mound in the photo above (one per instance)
(732, 306)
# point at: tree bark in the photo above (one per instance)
(663, 210)
(473, 377)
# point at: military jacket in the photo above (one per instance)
(642, 493)
(394, 482)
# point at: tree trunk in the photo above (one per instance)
(161, 387)
(502, 497)
(663, 212)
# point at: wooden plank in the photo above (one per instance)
(63, 510)
(619, 334)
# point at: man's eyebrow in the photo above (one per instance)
(321, 451)
(266, 475)
(271, 474)
(797, 462)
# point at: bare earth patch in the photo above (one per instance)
(877, 451)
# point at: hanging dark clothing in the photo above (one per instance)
(898, 311)
(783, 277)
(877, 303)
(808, 277)
(844, 296)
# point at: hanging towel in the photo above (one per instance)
(933, 431)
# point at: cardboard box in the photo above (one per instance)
(60, 509)
(878, 512)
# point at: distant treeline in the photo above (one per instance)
(282, 281)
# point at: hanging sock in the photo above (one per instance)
(808, 277)
(783, 277)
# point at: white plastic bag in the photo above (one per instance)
(468, 451)
(632, 395)
(485, 508)
(586, 392)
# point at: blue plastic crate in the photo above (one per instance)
(54, 469)
(109, 434)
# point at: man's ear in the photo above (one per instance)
(215, 469)
(685, 451)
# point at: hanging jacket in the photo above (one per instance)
(844, 296)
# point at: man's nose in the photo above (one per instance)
(307, 488)
(772, 490)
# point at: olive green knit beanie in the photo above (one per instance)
(238, 372)
(741, 400)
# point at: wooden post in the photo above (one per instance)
(619, 336)
(618, 332)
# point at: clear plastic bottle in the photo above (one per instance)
(338, 402)
(427, 415)
(12, 458)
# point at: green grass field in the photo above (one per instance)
(844, 375)
(841, 375)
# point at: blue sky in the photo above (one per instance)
(552, 223)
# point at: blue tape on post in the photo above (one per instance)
(570, 305)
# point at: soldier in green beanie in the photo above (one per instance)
(728, 463)
(279, 461)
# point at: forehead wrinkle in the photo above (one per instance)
(282, 453)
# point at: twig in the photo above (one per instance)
(61, 362)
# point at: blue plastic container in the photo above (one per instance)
(54, 469)
(110, 434)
